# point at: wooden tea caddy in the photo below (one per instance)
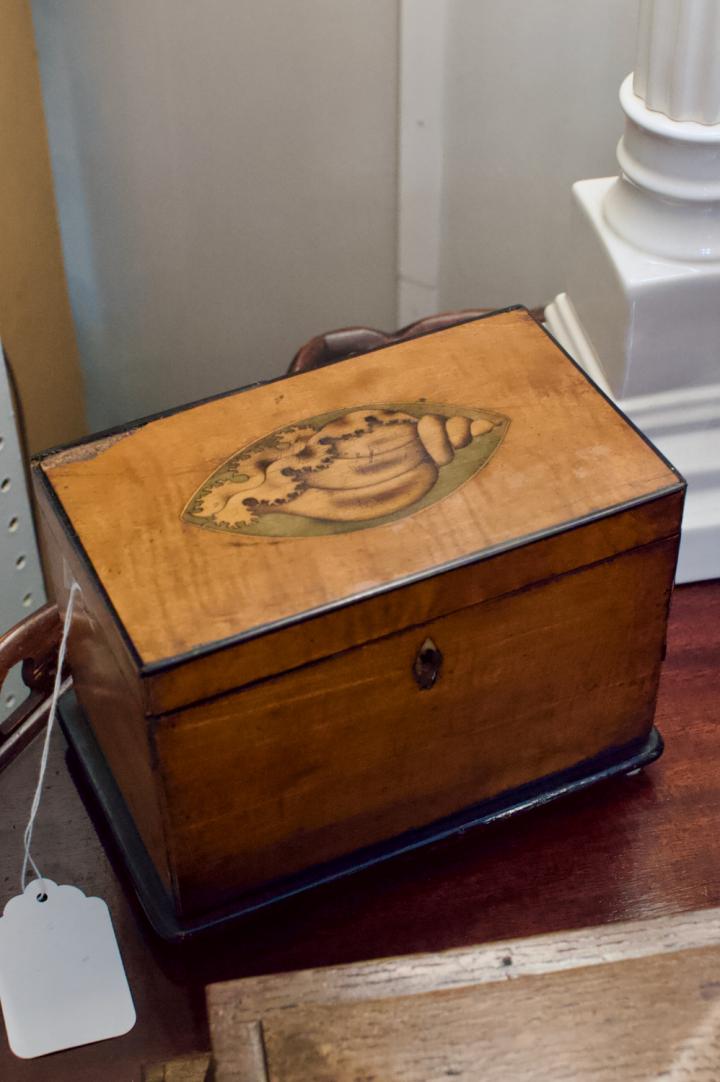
(330, 618)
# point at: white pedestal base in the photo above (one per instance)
(684, 424)
(654, 323)
(642, 309)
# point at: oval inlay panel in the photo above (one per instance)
(347, 470)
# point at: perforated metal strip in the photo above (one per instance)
(21, 583)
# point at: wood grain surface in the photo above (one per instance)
(265, 1027)
(235, 792)
(234, 1004)
(367, 621)
(631, 1021)
(106, 682)
(318, 763)
(257, 775)
(633, 848)
(176, 586)
(196, 1068)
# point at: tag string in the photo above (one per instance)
(27, 837)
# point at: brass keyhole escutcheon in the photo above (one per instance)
(427, 665)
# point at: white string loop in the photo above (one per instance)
(27, 837)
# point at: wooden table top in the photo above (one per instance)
(630, 848)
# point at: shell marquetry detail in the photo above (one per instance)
(347, 470)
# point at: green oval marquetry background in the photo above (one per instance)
(232, 475)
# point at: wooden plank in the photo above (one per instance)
(197, 1068)
(236, 1005)
(567, 454)
(627, 1022)
(529, 685)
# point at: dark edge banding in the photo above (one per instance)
(153, 668)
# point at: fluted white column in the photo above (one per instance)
(641, 311)
(667, 199)
(677, 70)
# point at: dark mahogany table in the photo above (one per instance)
(634, 847)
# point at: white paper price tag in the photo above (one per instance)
(62, 981)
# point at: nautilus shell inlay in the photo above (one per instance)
(347, 470)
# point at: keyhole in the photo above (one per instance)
(427, 664)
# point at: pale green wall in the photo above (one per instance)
(226, 179)
(531, 105)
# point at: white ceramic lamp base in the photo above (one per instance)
(683, 423)
(642, 308)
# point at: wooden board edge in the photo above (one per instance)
(647, 1017)
(197, 1067)
(248, 1000)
